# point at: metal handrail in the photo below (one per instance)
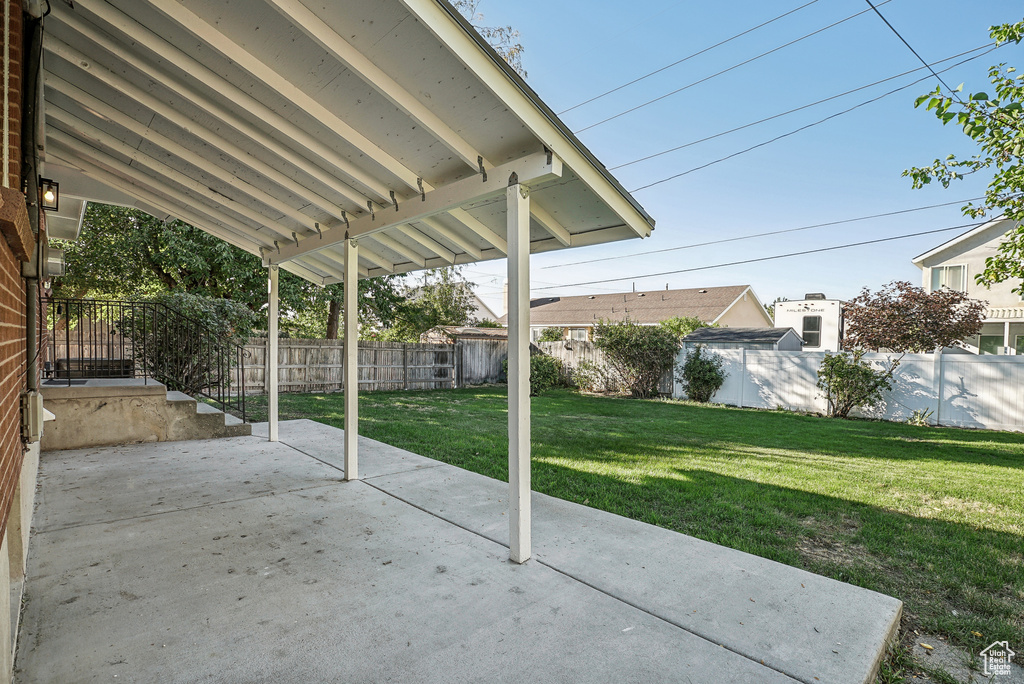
(142, 339)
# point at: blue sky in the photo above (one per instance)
(847, 167)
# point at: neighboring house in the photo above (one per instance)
(955, 264)
(732, 306)
(756, 339)
(481, 312)
(819, 321)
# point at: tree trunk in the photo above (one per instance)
(333, 314)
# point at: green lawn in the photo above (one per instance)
(932, 516)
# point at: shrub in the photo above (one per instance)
(188, 341)
(701, 374)
(850, 382)
(640, 355)
(588, 376)
(551, 335)
(545, 372)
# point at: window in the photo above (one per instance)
(535, 334)
(953, 277)
(990, 344)
(1019, 346)
(579, 334)
(812, 331)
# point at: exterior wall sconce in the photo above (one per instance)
(50, 192)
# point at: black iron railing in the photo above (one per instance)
(97, 339)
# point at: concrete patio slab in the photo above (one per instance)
(237, 560)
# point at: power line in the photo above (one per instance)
(909, 47)
(802, 128)
(723, 71)
(758, 235)
(767, 258)
(797, 109)
(688, 57)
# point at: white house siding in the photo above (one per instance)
(976, 391)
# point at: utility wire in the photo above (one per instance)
(688, 57)
(758, 235)
(723, 71)
(767, 258)
(909, 47)
(802, 128)
(797, 109)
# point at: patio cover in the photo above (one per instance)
(336, 140)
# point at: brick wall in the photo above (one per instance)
(12, 285)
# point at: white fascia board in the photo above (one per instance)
(536, 168)
(949, 244)
(445, 22)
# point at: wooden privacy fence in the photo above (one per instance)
(316, 366)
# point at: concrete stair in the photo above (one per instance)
(209, 421)
(108, 412)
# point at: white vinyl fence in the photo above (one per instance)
(975, 391)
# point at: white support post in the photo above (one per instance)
(1006, 338)
(350, 310)
(271, 379)
(518, 203)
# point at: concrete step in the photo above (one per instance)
(208, 422)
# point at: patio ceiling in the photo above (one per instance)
(283, 127)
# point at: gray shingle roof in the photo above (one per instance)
(750, 335)
(647, 307)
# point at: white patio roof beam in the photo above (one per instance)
(429, 243)
(187, 155)
(453, 237)
(535, 168)
(397, 247)
(326, 37)
(218, 41)
(158, 108)
(90, 133)
(84, 154)
(297, 136)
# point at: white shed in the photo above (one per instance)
(760, 339)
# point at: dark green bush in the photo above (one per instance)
(849, 382)
(638, 354)
(545, 372)
(701, 374)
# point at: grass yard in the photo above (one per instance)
(934, 517)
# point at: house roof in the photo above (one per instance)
(747, 335)
(285, 127)
(473, 333)
(996, 227)
(648, 307)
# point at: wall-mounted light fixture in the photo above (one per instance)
(50, 191)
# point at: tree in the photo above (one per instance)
(445, 300)
(996, 124)
(127, 254)
(903, 318)
(552, 334)
(770, 308)
(639, 354)
(504, 39)
(681, 326)
(849, 381)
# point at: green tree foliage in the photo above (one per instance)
(850, 382)
(996, 123)
(701, 375)
(639, 354)
(552, 334)
(681, 326)
(443, 299)
(127, 254)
